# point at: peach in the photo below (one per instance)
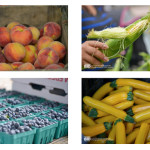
(4, 36)
(44, 42)
(53, 66)
(36, 65)
(12, 24)
(26, 66)
(61, 64)
(21, 34)
(35, 34)
(5, 67)
(59, 48)
(53, 30)
(2, 58)
(14, 52)
(31, 54)
(41, 32)
(47, 56)
(15, 65)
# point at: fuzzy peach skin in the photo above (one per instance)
(53, 30)
(35, 33)
(53, 66)
(21, 34)
(2, 58)
(44, 42)
(36, 65)
(14, 52)
(61, 64)
(41, 32)
(15, 65)
(4, 36)
(31, 54)
(59, 48)
(5, 67)
(12, 24)
(26, 66)
(47, 56)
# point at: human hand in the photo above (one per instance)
(90, 52)
(90, 9)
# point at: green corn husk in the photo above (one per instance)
(128, 58)
(134, 31)
(110, 33)
(117, 66)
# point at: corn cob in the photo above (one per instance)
(109, 33)
(134, 31)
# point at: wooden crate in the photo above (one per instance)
(37, 16)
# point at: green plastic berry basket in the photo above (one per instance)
(2, 90)
(60, 107)
(20, 138)
(46, 134)
(62, 129)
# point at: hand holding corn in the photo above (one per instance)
(91, 54)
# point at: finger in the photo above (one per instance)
(84, 62)
(96, 53)
(90, 59)
(98, 44)
(91, 9)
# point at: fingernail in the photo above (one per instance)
(104, 46)
(106, 59)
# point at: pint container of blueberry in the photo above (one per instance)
(15, 114)
(30, 99)
(6, 94)
(45, 129)
(51, 104)
(14, 102)
(61, 118)
(35, 109)
(13, 132)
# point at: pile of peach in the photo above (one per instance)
(28, 48)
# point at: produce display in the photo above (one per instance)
(30, 48)
(118, 113)
(56, 115)
(26, 119)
